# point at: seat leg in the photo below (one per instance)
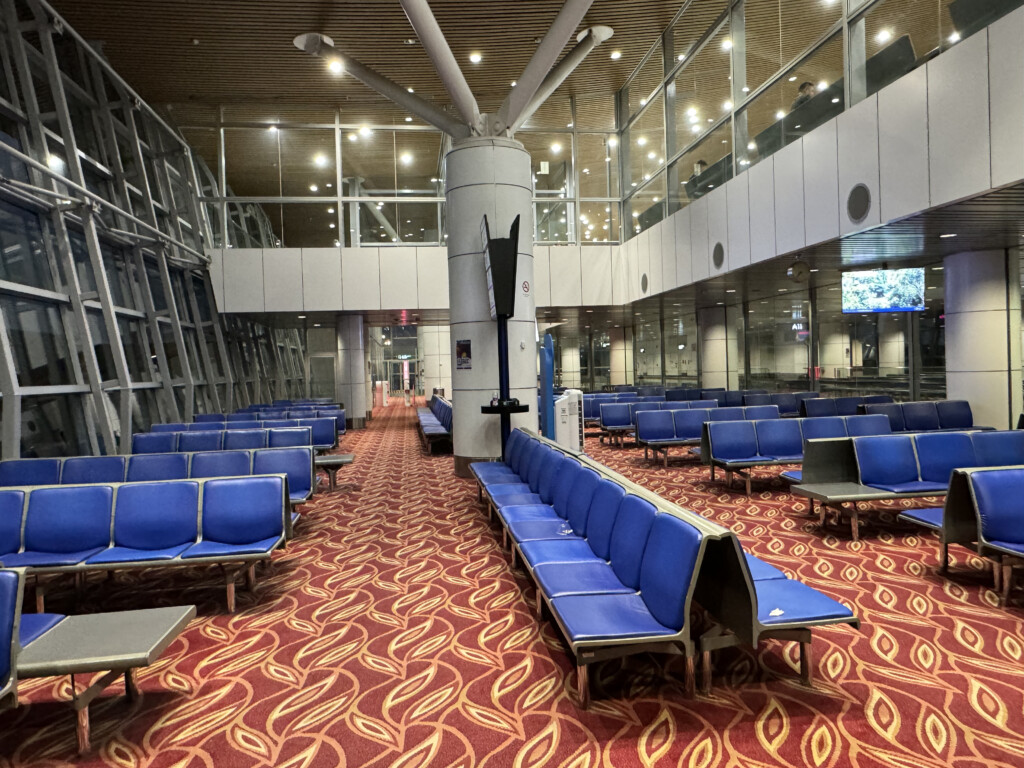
(1007, 583)
(504, 538)
(131, 687)
(229, 585)
(646, 454)
(666, 457)
(944, 560)
(854, 523)
(512, 553)
(690, 681)
(748, 483)
(806, 660)
(40, 598)
(705, 673)
(82, 730)
(583, 685)
(540, 605)
(250, 577)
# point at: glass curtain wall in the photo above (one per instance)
(109, 323)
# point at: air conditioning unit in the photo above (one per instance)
(569, 420)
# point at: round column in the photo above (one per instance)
(351, 374)
(714, 350)
(983, 335)
(489, 176)
(435, 343)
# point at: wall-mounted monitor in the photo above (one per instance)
(884, 290)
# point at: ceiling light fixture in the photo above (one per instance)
(949, 234)
(884, 36)
(616, 55)
(475, 57)
(727, 44)
(335, 66)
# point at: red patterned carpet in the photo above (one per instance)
(392, 632)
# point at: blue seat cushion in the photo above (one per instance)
(535, 530)
(563, 550)
(520, 512)
(607, 617)
(35, 625)
(487, 469)
(516, 500)
(794, 476)
(740, 460)
(48, 559)
(912, 486)
(218, 549)
(929, 518)
(508, 489)
(584, 578)
(794, 458)
(785, 601)
(131, 555)
(760, 570)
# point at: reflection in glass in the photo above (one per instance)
(553, 221)
(598, 156)
(703, 89)
(38, 342)
(550, 162)
(22, 255)
(647, 207)
(703, 167)
(599, 222)
(645, 143)
(53, 425)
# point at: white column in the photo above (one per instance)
(833, 349)
(435, 343)
(892, 344)
(352, 380)
(488, 176)
(714, 354)
(983, 334)
(570, 358)
(621, 357)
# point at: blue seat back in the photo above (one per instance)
(163, 466)
(819, 406)
(822, 427)
(757, 399)
(718, 395)
(155, 442)
(635, 407)
(954, 414)
(233, 425)
(655, 425)
(289, 436)
(178, 427)
(580, 497)
(846, 406)
(156, 515)
(205, 426)
(786, 401)
(877, 399)
(10, 605)
(779, 438)
(667, 569)
(703, 404)
(563, 486)
(629, 538)
(12, 507)
(29, 472)
(200, 441)
(732, 440)
(296, 463)
(752, 412)
(886, 459)
(725, 414)
(538, 462)
(243, 510)
(999, 497)
(733, 399)
(220, 464)
(278, 423)
(548, 473)
(324, 431)
(68, 519)
(529, 455)
(604, 507)
(868, 424)
(615, 415)
(677, 394)
(93, 469)
(892, 410)
(688, 424)
(939, 453)
(201, 417)
(998, 449)
(920, 417)
(242, 439)
(242, 417)
(520, 456)
(513, 447)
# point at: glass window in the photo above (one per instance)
(252, 161)
(119, 275)
(703, 167)
(80, 255)
(647, 207)
(778, 31)
(703, 89)
(369, 158)
(679, 327)
(53, 425)
(778, 342)
(171, 350)
(140, 367)
(695, 21)
(22, 253)
(598, 156)
(647, 348)
(646, 143)
(599, 222)
(156, 287)
(555, 112)
(554, 222)
(101, 345)
(38, 342)
(595, 111)
(383, 223)
(646, 80)
(550, 161)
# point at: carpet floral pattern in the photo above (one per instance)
(392, 632)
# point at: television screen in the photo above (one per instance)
(884, 290)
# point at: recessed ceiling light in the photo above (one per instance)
(313, 188)
(272, 128)
(408, 119)
(406, 158)
(682, 56)
(330, 210)
(779, 115)
(616, 55)
(726, 44)
(950, 234)
(514, 83)
(365, 131)
(410, 90)
(556, 148)
(353, 137)
(884, 36)
(730, 290)
(612, 141)
(320, 161)
(302, 317)
(335, 66)
(475, 57)
(822, 85)
(954, 38)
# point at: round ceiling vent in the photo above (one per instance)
(718, 255)
(643, 282)
(858, 204)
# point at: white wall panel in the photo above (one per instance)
(566, 289)
(243, 280)
(858, 161)
(360, 278)
(620, 275)
(632, 270)
(821, 184)
(668, 254)
(699, 251)
(398, 276)
(737, 193)
(432, 277)
(652, 265)
(789, 198)
(596, 269)
(541, 276)
(718, 229)
(282, 279)
(903, 145)
(1006, 83)
(761, 182)
(958, 121)
(321, 279)
(684, 254)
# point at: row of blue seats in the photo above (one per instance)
(927, 415)
(324, 434)
(173, 442)
(736, 446)
(295, 463)
(314, 413)
(618, 420)
(592, 408)
(227, 521)
(435, 423)
(839, 406)
(618, 567)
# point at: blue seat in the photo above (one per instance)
(10, 610)
(939, 453)
(819, 406)
(569, 548)
(64, 526)
(688, 424)
(920, 417)
(35, 625)
(756, 412)
(867, 424)
(220, 464)
(93, 469)
(929, 518)
(703, 404)
(848, 406)
(725, 414)
(295, 463)
(820, 427)
(141, 535)
(324, 432)
(232, 425)
(786, 601)
(655, 426)
(278, 423)
(163, 466)
(289, 437)
(245, 439)
(29, 472)
(787, 403)
(999, 498)
(780, 440)
(204, 426)
(757, 399)
(155, 442)
(12, 509)
(954, 414)
(557, 510)
(175, 427)
(242, 417)
(544, 469)
(889, 462)
(677, 394)
(615, 416)
(760, 570)
(241, 516)
(733, 399)
(718, 395)
(733, 442)
(892, 410)
(189, 442)
(643, 406)
(998, 449)
(877, 399)
(200, 417)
